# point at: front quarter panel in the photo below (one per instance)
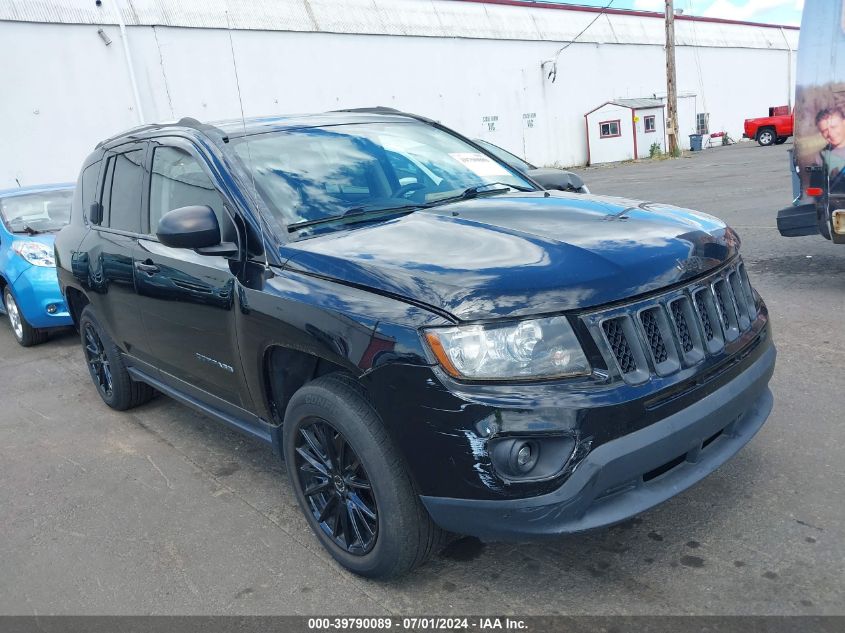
(348, 327)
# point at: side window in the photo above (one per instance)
(178, 180)
(124, 200)
(105, 190)
(89, 184)
(86, 191)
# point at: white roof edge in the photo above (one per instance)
(422, 18)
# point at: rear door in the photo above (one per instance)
(110, 246)
(188, 301)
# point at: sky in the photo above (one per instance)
(771, 11)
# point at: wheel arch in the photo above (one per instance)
(76, 302)
(285, 370)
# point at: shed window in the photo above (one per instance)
(702, 123)
(609, 129)
(650, 125)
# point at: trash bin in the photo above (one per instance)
(695, 142)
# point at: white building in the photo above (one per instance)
(502, 70)
(625, 129)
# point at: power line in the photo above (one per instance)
(553, 72)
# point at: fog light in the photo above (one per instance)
(530, 458)
(523, 456)
(52, 308)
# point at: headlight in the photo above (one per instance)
(35, 253)
(536, 348)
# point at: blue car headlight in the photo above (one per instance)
(35, 253)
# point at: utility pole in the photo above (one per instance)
(671, 88)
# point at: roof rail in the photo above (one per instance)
(188, 122)
(388, 110)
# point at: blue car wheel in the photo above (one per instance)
(24, 333)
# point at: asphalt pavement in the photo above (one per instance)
(163, 511)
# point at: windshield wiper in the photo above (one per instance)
(478, 190)
(353, 215)
(27, 229)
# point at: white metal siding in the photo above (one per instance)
(288, 61)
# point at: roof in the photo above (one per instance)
(633, 104)
(638, 104)
(236, 128)
(473, 19)
(21, 191)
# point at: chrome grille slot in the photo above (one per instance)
(739, 299)
(659, 340)
(619, 345)
(653, 336)
(727, 309)
(689, 338)
(748, 293)
(708, 316)
(681, 326)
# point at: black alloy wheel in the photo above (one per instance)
(336, 486)
(352, 483)
(98, 362)
(107, 367)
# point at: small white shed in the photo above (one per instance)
(624, 129)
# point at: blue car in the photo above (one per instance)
(29, 220)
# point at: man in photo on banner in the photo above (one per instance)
(830, 123)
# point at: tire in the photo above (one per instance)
(766, 137)
(780, 140)
(25, 334)
(332, 411)
(106, 367)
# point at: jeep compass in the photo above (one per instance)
(431, 342)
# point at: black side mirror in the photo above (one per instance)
(189, 227)
(95, 213)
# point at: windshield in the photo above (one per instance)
(36, 212)
(505, 156)
(309, 174)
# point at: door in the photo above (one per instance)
(189, 301)
(110, 247)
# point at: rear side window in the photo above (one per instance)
(178, 180)
(122, 191)
(86, 191)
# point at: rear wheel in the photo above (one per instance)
(766, 136)
(24, 333)
(106, 366)
(352, 484)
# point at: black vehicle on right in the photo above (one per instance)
(818, 207)
(548, 178)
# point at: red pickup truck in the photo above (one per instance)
(771, 130)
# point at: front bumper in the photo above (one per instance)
(630, 474)
(36, 288)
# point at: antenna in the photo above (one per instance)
(246, 140)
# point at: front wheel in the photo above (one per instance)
(766, 137)
(351, 482)
(25, 334)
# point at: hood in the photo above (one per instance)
(522, 253)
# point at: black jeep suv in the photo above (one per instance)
(431, 342)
